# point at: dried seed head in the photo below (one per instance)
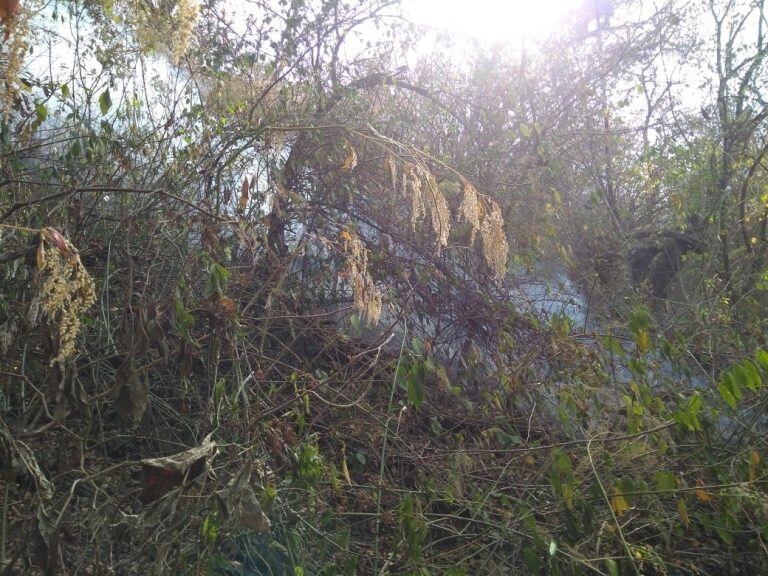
(439, 212)
(366, 295)
(392, 169)
(65, 291)
(156, 29)
(469, 210)
(12, 51)
(414, 193)
(187, 12)
(495, 247)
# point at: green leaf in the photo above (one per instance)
(416, 377)
(725, 387)
(730, 388)
(688, 414)
(738, 375)
(639, 320)
(643, 341)
(762, 360)
(218, 276)
(725, 534)
(64, 91)
(105, 101)
(665, 481)
(531, 560)
(209, 531)
(552, 548)
(184, 319)
(752, 375)
(41, 110)
(613, 345)
(612, 567)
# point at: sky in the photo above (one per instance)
(492, 21)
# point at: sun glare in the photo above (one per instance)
(512, 21)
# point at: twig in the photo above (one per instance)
(384, 443)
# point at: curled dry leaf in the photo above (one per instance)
(244, 195)
(40, 255)
(225, 307)
(8, 331)
(350, 158)
(161, 475)
(132, 393)
(45, 542)
(238, 504)
(19, 464)
(57, 239)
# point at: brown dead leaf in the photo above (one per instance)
(57, 239)
(350, 158)
(132, 393)
(701, 493)
(244, 195)
(210, 239)
(161, 475)
(45, 541)
(226, 307)
(19, 464)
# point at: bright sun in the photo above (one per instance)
(512, 21)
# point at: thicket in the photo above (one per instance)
(266, 303)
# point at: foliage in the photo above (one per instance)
(265, 299)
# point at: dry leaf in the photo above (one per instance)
(7, 334)
(239, 504)
(161, 475)
(56, 238)
(45, 540)
(132, 393)
(209, 240)
(754, 463)
(19, 464)
(345, 469)
(702, 494)
(40, 254)
(350, 160)
(244, 195)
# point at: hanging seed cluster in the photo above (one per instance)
(419, 187)
(187, 12)
(65, 290)
(155, 28)
(366, 295)
(13, 46)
